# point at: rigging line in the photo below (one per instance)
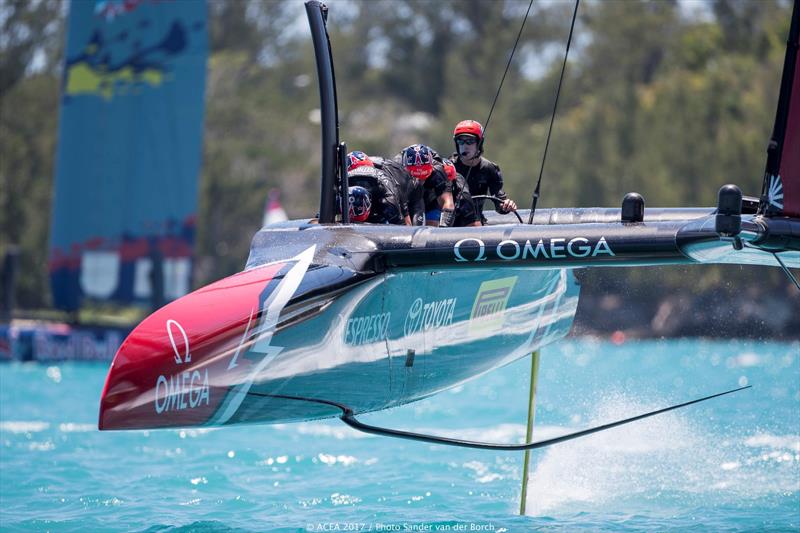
(780, 262)
(500, 87)
(553, 116)
(510, 57)
(786, 270)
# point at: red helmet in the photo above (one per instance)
(469, 127)
(450, 170)
(360, 203)
(418, 160)
(357, 159)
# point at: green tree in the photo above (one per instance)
(30, 48)
(670, 105)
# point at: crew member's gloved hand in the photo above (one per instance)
(507, 206)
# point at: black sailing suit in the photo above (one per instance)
(433, 187)
(386, 196)
(411, 200)
(483, 178)
(465, 211)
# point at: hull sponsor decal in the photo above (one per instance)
(184, 389)
(424, 316)
(489, 305)
(473, 249)
(187, 357)
(481, 250)
(367, 329)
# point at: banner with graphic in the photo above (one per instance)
(129, 151)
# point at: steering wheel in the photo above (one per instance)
(497, 201)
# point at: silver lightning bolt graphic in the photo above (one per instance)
(270, 312)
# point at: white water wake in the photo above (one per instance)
(665, 458)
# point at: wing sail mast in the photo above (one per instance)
(317, 16)
(780, 193)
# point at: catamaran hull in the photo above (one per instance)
(232, 352)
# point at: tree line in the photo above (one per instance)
(669, 99)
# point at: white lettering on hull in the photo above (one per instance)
(367, 329)
(185, 390)
(557, 248)
(424, 316)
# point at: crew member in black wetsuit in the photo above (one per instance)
(411, 192)
(424, 164)
(482, 176)
(385, 201)
(465, 213)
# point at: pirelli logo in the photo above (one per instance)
(490, 302)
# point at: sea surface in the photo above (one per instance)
(729, 464)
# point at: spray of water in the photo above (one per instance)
(668, 458)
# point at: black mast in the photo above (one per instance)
(317, 15)
(775, 146)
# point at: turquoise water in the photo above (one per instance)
(730, 464)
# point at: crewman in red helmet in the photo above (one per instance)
(482, 176)
(424, 164)
(410, 188)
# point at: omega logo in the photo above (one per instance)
(557, 248)
(481, 250)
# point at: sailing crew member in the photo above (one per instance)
(410, 188)
(360, 203)
(465, 212)
(424, 164)
(373, 196)
(482, 176)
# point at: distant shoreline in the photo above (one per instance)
(687, 315)
(610, 317)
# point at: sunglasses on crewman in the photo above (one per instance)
(466, 140)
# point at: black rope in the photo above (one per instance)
(499, 88)
(348, 417)
(553, 116)
(780, 262)
(787, 271)
(510, 57)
